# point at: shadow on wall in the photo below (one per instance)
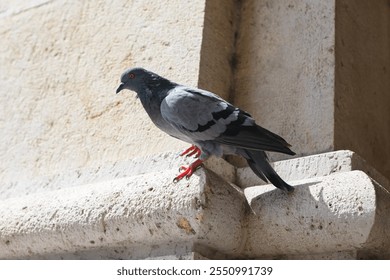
(362, 85)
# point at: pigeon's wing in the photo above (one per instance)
(198, 114)
(203, 116)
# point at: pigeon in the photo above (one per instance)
(212, 126)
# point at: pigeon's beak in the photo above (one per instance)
(121, 86)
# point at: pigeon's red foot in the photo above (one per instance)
(193, 150)
(188, 171)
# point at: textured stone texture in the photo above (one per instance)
(60, 64)
(362, 99)
(98, 174)
(317, 72)
(137, 214)
(147, 216)
(324, 214)
(285, 70)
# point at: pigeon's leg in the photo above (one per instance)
(188, 171)
(193, 150)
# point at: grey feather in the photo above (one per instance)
(204, 119)
(258, 162)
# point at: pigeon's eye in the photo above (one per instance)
(131, 75)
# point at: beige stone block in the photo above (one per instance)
(341, 215)
(317, 73)
(60, 64)
(142, 216)
(285, 70)
(324, 214)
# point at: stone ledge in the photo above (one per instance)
(340, 215)
(325, 214)
(146, 210)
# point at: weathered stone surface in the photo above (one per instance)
(324, 214)
(60, 64)
(285, 70)
(85, 174)
(317, 73)
(144, 212)
(147, 216)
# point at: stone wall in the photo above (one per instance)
(285, 70)
(60, 63)
(362, 91)
(72, 152)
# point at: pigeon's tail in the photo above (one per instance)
(260, 165)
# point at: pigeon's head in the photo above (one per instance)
(136, 79)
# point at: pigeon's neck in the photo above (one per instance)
(159, 84)
(151, 96)
(155, 90)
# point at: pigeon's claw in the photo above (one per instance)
(193, 150)
(188, 171)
